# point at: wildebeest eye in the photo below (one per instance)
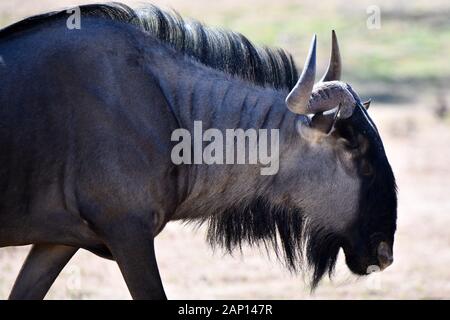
(352, 144)
(347, 137)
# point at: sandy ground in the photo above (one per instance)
(418, 146)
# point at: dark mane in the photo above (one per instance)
(224, 50)
(297, 242)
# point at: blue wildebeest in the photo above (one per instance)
(86, 117)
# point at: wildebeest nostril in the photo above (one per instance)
(385, 257)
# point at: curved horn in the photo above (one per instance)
(297, 100)
(307, 98)
(328, 95)
(334, 66)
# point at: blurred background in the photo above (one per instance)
(396, 53)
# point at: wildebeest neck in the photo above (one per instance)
(198, 93)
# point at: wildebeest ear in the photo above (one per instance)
(366, 104)
(324, 121)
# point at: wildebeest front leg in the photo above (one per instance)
(40, 269)
(132, 246)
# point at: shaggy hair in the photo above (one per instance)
(295, 240)
(224, 50)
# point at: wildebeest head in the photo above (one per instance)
(353, 203)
